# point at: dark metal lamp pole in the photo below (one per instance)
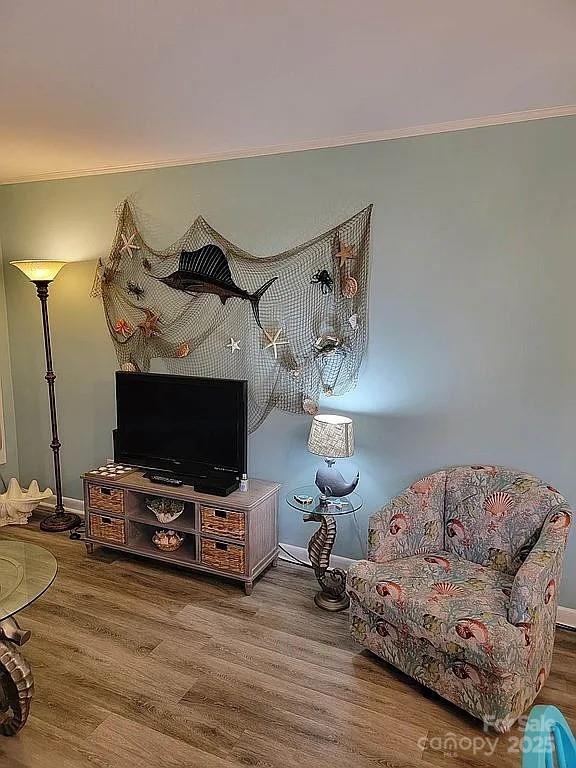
(41, 273)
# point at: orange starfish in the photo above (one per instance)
(345, 254)
(123, 327)
(150, 324)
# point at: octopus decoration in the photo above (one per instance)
(322, 278)
(333, 595)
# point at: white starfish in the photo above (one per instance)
(128, 244)
(233, 345)
(274, 342)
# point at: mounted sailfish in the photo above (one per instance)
(206, 271)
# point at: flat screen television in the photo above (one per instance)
(190, 428)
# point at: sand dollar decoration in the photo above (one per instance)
(243, 316)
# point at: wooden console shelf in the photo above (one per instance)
(234, 536)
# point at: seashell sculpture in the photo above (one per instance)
(16, 504)
(166, 510)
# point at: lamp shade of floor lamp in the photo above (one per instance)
(41, 273)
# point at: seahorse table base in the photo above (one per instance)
(329, 602)
(332, 596)
(16, 681)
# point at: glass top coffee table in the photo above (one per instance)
(26, 572)
(324, 510)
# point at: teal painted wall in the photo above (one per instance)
(471, 355)
(7, 415)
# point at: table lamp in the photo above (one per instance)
(41, 273)
(333, 438)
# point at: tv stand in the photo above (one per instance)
(235, 536)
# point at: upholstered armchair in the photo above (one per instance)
(459, 588)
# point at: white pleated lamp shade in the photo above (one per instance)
(331, 436)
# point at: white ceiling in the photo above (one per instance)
(88, 85)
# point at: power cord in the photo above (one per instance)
(77, 533)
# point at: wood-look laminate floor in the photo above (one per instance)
(140, 665)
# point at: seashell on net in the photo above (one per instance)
(310, 406)
(349, 287)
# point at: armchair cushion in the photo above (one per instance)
(411, 523)
(458, 607)
(493, 515)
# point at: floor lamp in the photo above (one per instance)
(41, 273)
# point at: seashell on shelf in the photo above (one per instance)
(168, 541)
(166, 510)
(16, 504)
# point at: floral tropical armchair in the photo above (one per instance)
(459, 589)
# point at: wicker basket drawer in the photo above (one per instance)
(108, 528)
(108, 499)
(224, 557)
(222, 522)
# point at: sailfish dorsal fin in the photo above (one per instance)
(209, 261)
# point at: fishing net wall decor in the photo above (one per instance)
(294, 325)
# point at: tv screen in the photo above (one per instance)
(192, 427)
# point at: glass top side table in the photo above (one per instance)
(308, 500)
(26, 572)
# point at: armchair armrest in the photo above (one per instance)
(412, 523)
(536, 581)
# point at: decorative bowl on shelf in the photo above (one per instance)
(166, 510)
(168, 541)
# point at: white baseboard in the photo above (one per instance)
(70, 505)
(566, 616)
(302, 554)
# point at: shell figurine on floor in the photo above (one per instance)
(16, 504)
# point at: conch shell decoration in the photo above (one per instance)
(16, 504)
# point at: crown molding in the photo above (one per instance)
(327, 143)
